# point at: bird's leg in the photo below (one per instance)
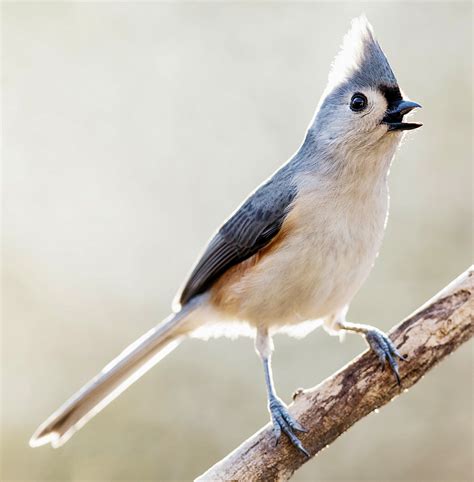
(281, 418)
(377, 340)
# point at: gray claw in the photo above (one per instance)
(385, 350)
(284, 422)
(276, 431)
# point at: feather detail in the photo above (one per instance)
(361, 60)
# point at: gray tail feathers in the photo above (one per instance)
(117, 376)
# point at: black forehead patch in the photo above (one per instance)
(391, 93)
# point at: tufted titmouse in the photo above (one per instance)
(297, 249)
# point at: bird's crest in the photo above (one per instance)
(361, 60)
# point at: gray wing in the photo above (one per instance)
(248, 230)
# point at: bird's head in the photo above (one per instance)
(362, 105)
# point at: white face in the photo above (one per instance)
(366, 109)
(354, 118)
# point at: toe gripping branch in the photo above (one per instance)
(284, 422)
(385, 350)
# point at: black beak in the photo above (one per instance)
(394, 115)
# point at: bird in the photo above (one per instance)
(294, 254)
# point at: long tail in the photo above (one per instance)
(114, 378)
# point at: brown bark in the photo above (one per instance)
(329, 409)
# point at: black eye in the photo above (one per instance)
(358, 102)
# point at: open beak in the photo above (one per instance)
(394, 116)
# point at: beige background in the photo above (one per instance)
(131, 130)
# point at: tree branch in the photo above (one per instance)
(436, 329)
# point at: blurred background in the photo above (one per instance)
(131, 130)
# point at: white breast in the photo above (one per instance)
(332, 243)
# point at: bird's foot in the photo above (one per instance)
(284, 422)
(385, 350)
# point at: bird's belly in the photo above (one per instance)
(305, 283)
(312, 268)
(309, 275)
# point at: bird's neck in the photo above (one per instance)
(345, 168)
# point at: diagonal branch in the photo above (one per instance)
(436, 329)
